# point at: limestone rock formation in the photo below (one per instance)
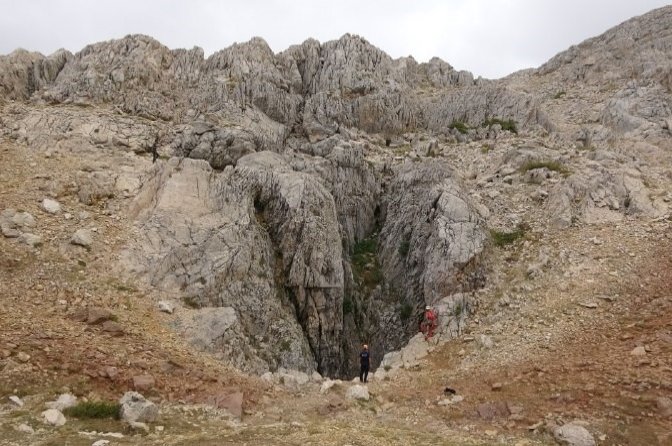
(300, 203)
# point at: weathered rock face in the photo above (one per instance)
(205, 243)
(431, 231)
(23, 73)
(302, 226)
(263, 243)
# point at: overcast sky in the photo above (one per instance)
(491, 38)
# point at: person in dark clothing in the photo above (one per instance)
(364, 364)
(155, 154)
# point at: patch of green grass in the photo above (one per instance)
(94, 409)
(457, 310)
(502, 238)
(120, 286)
(459, 126)
(559, 94)
(509, 125)
(364, 248)
(191, 302)
(550, 165)
(485, 148)
(365, 266)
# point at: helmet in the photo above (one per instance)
(365, 346)
(428, 307)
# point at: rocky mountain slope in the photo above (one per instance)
(301, 203)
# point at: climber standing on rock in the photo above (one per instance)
(364, 364)
(429, 322)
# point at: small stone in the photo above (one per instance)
(111, 372)
(638, 351)
(664, 406)
(231, 400)
(31, 239)
(82, 237)
(53, 417)
(450, 401)
(166, 307)
(486, 341)
(328, 384)
(113, 328)
(496, 386)
(573, 435)
(51, 206)
(64, 401)
(143, 382)
(134, 407)
(591, 305)
(23, 357)
(358, 392)
(100, 443)
(26, 429)
(535, 426)
(159, 428)
(138, 425)
(490, 411)
(16, 400)
(10, 232)
(23, 220)
(607, 298)
(96, 315)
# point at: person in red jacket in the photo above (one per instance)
(429, 322)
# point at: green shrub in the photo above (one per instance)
(94, 409)
(501, 238)
(365, 266)
(509, 125)
(457, 310)
(460, 126)
(550, 165)
(559, 94)
(191, 302)
(405, 312)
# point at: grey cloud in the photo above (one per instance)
(490, 38)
